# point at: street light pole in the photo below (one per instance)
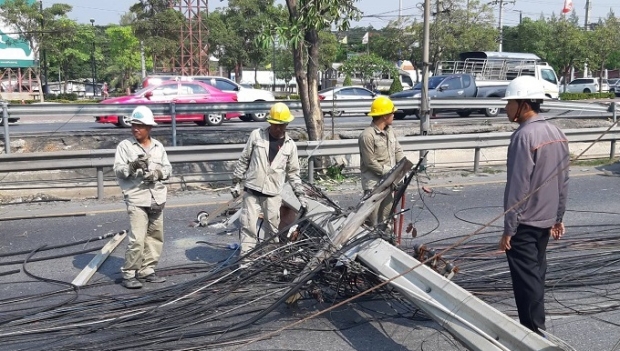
(92, 59)
(43, 53)
(424, 107)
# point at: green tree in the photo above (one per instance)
(395, 87)
(394, 42)
(246, 19)
(124, 53)
(367, 67)
(307, 18)
(71, 50)
(460, 28)
(158, 26)
(347, 81)
(566, 44)
(602, 42)
(328, 49)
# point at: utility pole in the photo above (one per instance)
(588, 8)
(501, 4)
(44, 54)
(142, 59)
(400, 10)
(424, 106)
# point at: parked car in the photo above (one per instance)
(178, 91)
(243, 94)
(587, 85)
(614, 86)
(453, 86)
(346, 93)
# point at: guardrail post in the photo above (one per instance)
(173, 116)
(99, 183)
(476, 160)
(612, 153)
(5, 122)
(310, 170)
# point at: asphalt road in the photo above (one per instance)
(456, 207)
(77, 123)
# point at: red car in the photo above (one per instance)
(180, 92)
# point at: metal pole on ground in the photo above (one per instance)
(173, 116)
(99, 183)
(5, 123)
(614, 112)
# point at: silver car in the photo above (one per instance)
(346, 93)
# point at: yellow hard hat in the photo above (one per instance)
(381, 106)
(280, 114)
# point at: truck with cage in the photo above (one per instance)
(492, 68)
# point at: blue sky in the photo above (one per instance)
(378, 12)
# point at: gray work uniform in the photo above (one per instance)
(144, 202)
(265, 181)
(538, 159)
(379, 153)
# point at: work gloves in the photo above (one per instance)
(235, 190)
(153, 176)
(139, 163)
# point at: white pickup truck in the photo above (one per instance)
(492, 67)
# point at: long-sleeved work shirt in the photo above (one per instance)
(538, 159)
(379, 151)
(135, 190)
(263, 176)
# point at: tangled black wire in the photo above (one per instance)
(224, 306)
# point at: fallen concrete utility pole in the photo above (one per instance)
(476, 324)
(473, 322)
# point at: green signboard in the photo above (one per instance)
(14, 51)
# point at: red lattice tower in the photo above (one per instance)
(193, 56)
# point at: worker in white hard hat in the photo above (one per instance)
(140, 165)
(379, 151)
(534, 197)
(267, 161)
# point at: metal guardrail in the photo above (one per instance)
(99, 159)
(174, 108)
(91, 110)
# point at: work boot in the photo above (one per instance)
(131, 283)
(152, 278)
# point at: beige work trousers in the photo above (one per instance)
(146, 241)
(382, 213)
(250, 211)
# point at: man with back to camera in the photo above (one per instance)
(268, 159)
(534, 198)
(379, 153)
(140, 165)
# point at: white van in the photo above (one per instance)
(491, 67)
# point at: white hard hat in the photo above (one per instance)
(525, 88)
(143, 115)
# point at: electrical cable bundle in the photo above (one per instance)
(225, 305)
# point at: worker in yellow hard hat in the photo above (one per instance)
(267, 161)
(379, 151)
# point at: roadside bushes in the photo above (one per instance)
(396, 86)
(586, 96)
(347, 81)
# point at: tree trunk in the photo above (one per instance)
(307, 85)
